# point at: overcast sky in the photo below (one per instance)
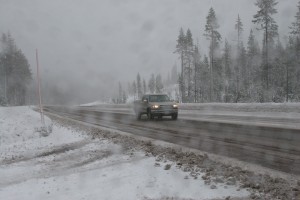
(87, 46)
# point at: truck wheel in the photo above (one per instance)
(174, 116)
(149, 115)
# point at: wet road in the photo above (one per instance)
(272, 147)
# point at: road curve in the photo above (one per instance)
(271, 147)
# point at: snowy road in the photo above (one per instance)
(275, 115)
(260, 140)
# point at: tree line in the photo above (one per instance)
(15, 74)
(140, 86)
(265, 71)
(137, 88)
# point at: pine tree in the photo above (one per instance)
(139, 86)
(295, 33)
(270, 28)
(134, 89)
(251, 47)
(214, 36)
(181, 85)
(129, 88)
(290, 59)
(16, 74)
(278, 74)
(144, 87)
(174, 75)
(239, 67)
(204, 80)
(124, 97)
(239, 28)
(295, 28)
(240, 70)
(227, 60)
(120, 98)
(189, 56)
(151, 84)
(168, 81)
(158, 84)
(196, 58)
(254, 72)
(181, 49)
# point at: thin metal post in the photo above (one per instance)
(39, 89)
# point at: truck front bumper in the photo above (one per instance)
(164, 112)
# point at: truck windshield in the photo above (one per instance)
(159, 98)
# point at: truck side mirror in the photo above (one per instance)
(145, 100)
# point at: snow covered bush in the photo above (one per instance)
(44, 130)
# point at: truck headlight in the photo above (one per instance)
(175, 106)
(155, 106)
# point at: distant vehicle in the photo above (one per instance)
(155, 105)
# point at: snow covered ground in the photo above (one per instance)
(70, 164)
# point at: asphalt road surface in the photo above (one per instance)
(263, 141)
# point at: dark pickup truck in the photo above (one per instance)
(155, 105)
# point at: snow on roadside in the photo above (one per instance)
(95, 103)
(20, 132)
(69, 164)
(243, 107)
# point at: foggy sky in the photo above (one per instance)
(86, 47)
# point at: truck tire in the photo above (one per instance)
(174, 116)
(149, 115)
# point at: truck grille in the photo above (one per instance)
(166, 107)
